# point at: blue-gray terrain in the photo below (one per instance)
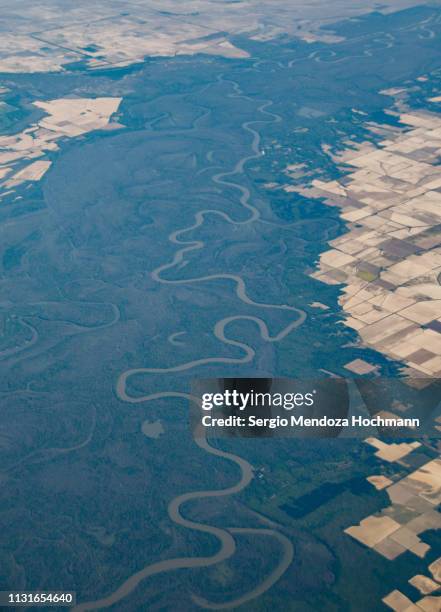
(168, 249)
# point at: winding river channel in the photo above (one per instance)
(226, 536)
